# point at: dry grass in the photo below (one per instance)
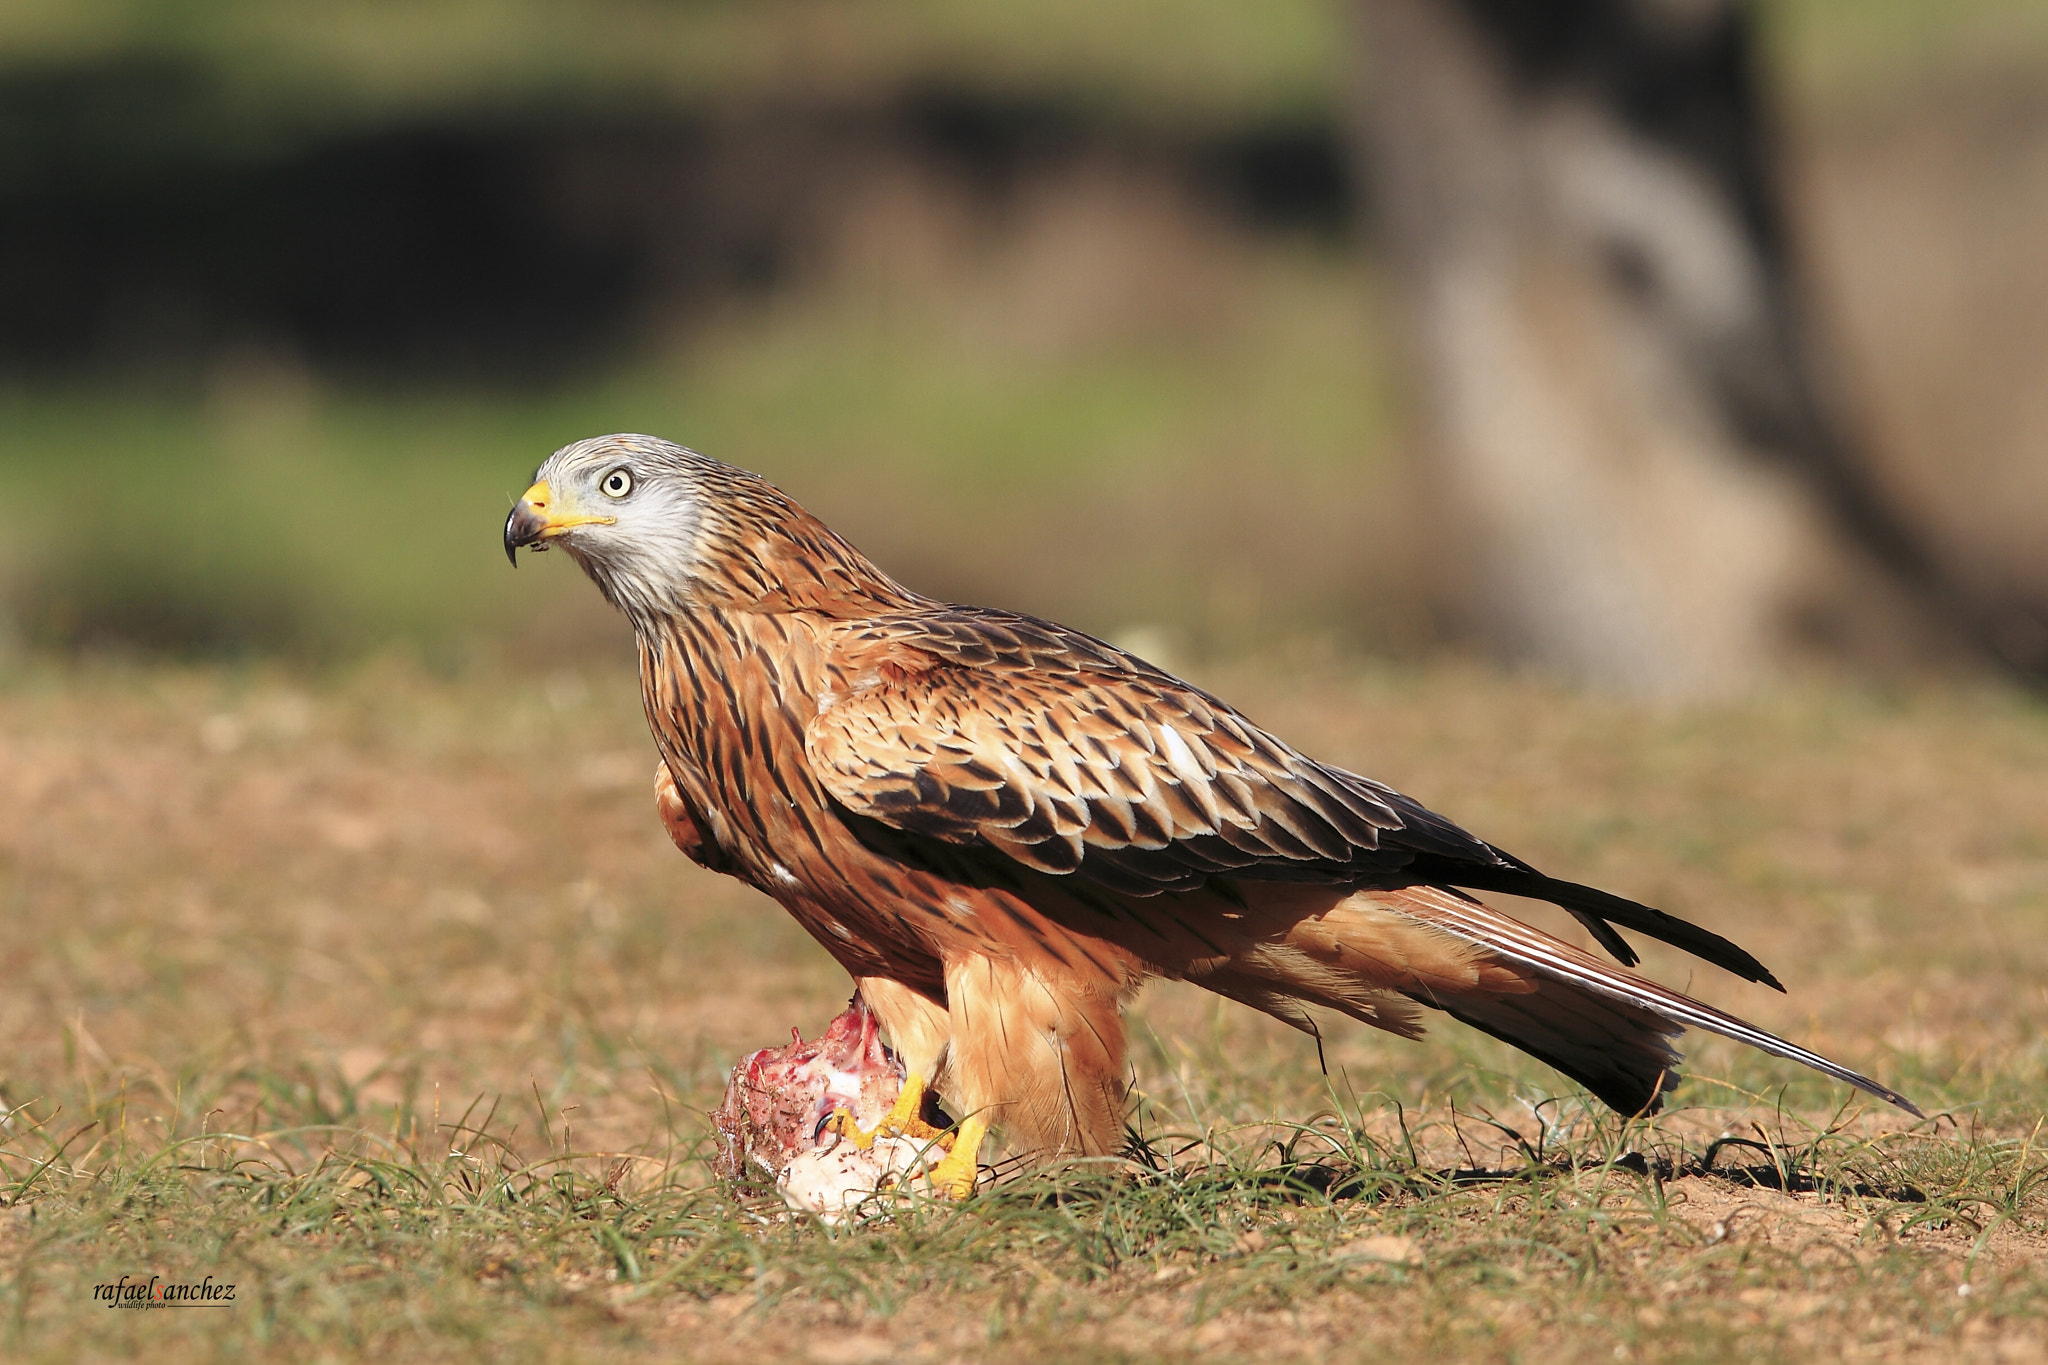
(384, 998)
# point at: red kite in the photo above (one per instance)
(1002, 827)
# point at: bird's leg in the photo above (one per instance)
(954, 1176)
(905, 1118)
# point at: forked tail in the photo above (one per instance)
(1604, 1026)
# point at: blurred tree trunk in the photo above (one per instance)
(1577, 198)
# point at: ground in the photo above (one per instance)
(381, 995)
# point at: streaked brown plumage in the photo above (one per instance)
(1002, 827)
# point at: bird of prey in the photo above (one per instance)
(1002, 827)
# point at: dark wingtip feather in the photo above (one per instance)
(1704, 944)
(1618, 948)
(1591, 906)
(1449, 856)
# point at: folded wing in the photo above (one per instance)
(1072, 757)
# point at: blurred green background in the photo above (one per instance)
(1067, 307)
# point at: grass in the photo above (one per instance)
(378, 994)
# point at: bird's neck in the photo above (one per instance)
(788, 561)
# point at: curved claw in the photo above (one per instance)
(842, 1122)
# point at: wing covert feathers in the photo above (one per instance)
(1069, 756)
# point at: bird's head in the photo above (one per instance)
(629, 509)
(660, 528)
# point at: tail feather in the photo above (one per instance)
(1619, 1052)
(1604, 1026)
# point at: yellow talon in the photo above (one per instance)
(954, 1176)
(903, 1119)
(917, 1130)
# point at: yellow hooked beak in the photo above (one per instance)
(540, 516)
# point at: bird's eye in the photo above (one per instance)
(617, 484)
